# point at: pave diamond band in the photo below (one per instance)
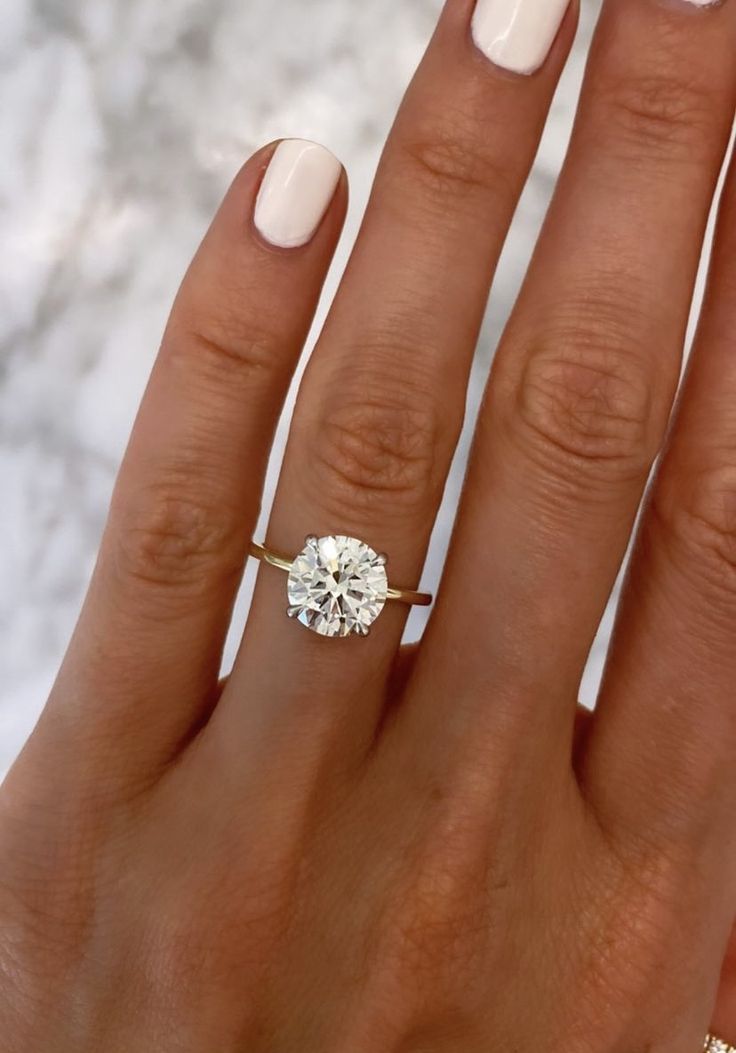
(337, 585)
(717, 1045)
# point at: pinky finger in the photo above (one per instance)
(142, 668)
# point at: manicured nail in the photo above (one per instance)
(296, 191)
(517, 34)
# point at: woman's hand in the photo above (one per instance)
(352, 849)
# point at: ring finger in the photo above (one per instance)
(382, 403)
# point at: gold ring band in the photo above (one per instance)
(282, 562)
(717, 1045)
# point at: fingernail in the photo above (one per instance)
(296, 191)
(518, 34)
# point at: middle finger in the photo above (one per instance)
(582, 387)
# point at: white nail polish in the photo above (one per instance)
(517, 34)
(296, 191)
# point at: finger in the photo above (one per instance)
(142, 669)
(582, 386)
(664, 738)
(381, 406)
(724, 1015)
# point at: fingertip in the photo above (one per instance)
(299, 182)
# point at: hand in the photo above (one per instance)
(346, 847)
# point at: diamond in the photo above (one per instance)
(337, 586)
(717, 1045)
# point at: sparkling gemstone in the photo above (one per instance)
(337, 586)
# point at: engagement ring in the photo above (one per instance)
(337, 585)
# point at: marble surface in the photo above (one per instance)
(122, 124)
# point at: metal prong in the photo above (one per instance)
(362, 630)
(382, 559)
(311, 539)
(293, 612)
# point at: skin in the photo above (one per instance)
(349, 847)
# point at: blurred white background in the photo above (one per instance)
(122, 123)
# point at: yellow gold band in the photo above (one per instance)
(283, 562)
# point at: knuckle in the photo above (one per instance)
(456, 163)
(227, 946)
(372, 453)
(166, 539)
(636, 923)
(585, 408)
(177, 961)
(228, 349)
(658, 114)
(696, 512)
(447, 899)
(434, 933)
